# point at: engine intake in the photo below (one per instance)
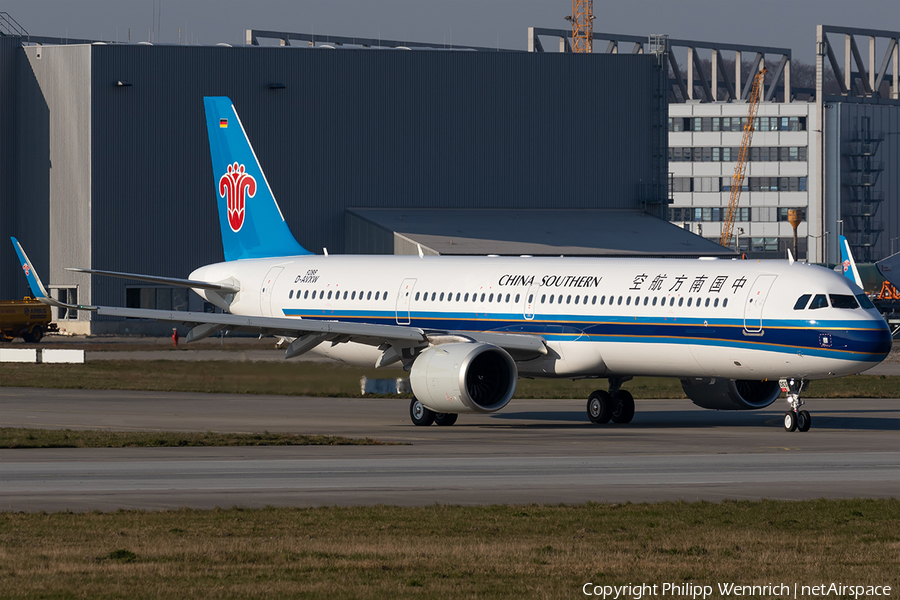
(731, 394)
(464, 378)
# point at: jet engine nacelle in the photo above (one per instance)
(731, 394)
(464, 378)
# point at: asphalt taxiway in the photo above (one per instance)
(533, 451)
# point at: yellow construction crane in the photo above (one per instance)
(582, 26)
(737, 181)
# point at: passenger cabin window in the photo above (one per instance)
(369, 296)
(724, 302)
(802, 301)
(843, 301)
(864, 301)
(290, 294)
(820, 301)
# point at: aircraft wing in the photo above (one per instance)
(305, 333)
(309, 333)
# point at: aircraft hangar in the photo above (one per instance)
(104, 158)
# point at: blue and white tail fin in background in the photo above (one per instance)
(252, 224)
(848, 265)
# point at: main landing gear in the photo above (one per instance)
(423, 416)
(795, 419)
(616, 405)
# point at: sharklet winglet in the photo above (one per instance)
(37, 287)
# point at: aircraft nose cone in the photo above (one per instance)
(882, 341)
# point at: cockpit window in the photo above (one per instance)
(802, 301)
(843, 301)
(864, 301)
(820, 301)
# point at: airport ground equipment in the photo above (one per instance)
(26, 318)
(737, 181)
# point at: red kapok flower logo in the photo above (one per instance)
(233, 185)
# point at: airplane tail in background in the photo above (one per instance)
(848, 265)
(251, 221)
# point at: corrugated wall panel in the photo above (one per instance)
(12, 283)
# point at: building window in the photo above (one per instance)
(158, 298)
(66, 296)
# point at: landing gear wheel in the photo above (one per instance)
(623, 407)
(599, 407)
(34, 336)
(445, 419)
(804, 420)
(421, 415)
(790, 421)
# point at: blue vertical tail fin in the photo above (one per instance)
(251, 221)
(848, 265)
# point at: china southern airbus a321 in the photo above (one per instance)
(735, 332)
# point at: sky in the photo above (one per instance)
(490, 23)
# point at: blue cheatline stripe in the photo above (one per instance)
(577, 320)
(783, 336)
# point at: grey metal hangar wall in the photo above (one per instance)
(348, 128)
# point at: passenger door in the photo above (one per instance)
(756, 300)
(265, 292)
(404, 298)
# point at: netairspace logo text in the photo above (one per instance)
(697, 592)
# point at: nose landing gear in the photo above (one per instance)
(795, 419)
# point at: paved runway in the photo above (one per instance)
(534, 451)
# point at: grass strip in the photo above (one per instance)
(447, 551)
(11, 437)
(335, 380)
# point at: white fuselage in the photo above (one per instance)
(599, 316)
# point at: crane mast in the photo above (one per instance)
(737, 181)
(583, 26)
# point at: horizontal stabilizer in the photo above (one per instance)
(225, 287)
